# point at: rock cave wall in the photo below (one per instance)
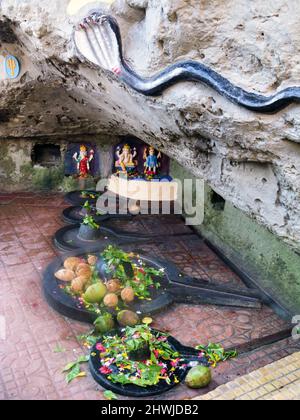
(253, 249)
(19, 172)
(251, 160)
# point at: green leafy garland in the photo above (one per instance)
(90, 221)
(74, 369)
(163, 363)
(142, 282)
(215, 353)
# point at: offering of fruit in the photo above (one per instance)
(111, 300)
(113, 285)
(128, 318)
(113, 279)
(127, 294)
(92, 260)
(95, 293)
(65, 275)
(84, 270)
(104, 323)
(77, 284)
(198, 377)
(71, 263)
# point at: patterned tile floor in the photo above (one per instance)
(29, 366)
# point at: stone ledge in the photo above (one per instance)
(278, 381)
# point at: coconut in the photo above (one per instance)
(128, 318)
(127, 294)
(198, 377)
(104, 323)
(83, 270)
(92, 260)
(71, 263)
(111, 300)
(77, 284)
(83, 266)
(95, 293)
(113, 285)
(65, 275)
(84, 279)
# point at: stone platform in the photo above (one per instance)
(141, 190)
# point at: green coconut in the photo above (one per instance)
(128, 318)
(198, 377)
(95, 293)
(104, 323)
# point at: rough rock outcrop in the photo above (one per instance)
(253, 160)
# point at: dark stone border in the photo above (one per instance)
(134, 390)
(175, 288)
(72, 216)
(74, 197)
(63, 244)
(66, 239)
(66, 305)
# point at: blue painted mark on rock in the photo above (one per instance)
(12, 67)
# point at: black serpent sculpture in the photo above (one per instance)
(98, 39)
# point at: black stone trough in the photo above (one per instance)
(72, 238)
(175, 288)
(79, 197)
(188, 354)
(75, 214)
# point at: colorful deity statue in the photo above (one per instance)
(126, 162)
(151, 161)
(83, 160)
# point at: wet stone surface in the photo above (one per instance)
(30, 368)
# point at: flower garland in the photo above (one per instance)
(164, 364)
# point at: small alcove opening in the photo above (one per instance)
(47, 155)
(218, 202)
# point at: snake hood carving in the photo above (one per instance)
(98, 39)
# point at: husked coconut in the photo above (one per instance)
(65, 275)
(127, 294)
(113, 285)
(77, 284)
(111, 300)
(83, 270)
(71, 263)
(92, 260)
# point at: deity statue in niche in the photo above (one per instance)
(152, 163)
(126, 159)
(83, 160)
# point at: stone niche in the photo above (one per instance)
(40, 164)
(135, 183)
(70, 166)
(47, 155)
(140, 146)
